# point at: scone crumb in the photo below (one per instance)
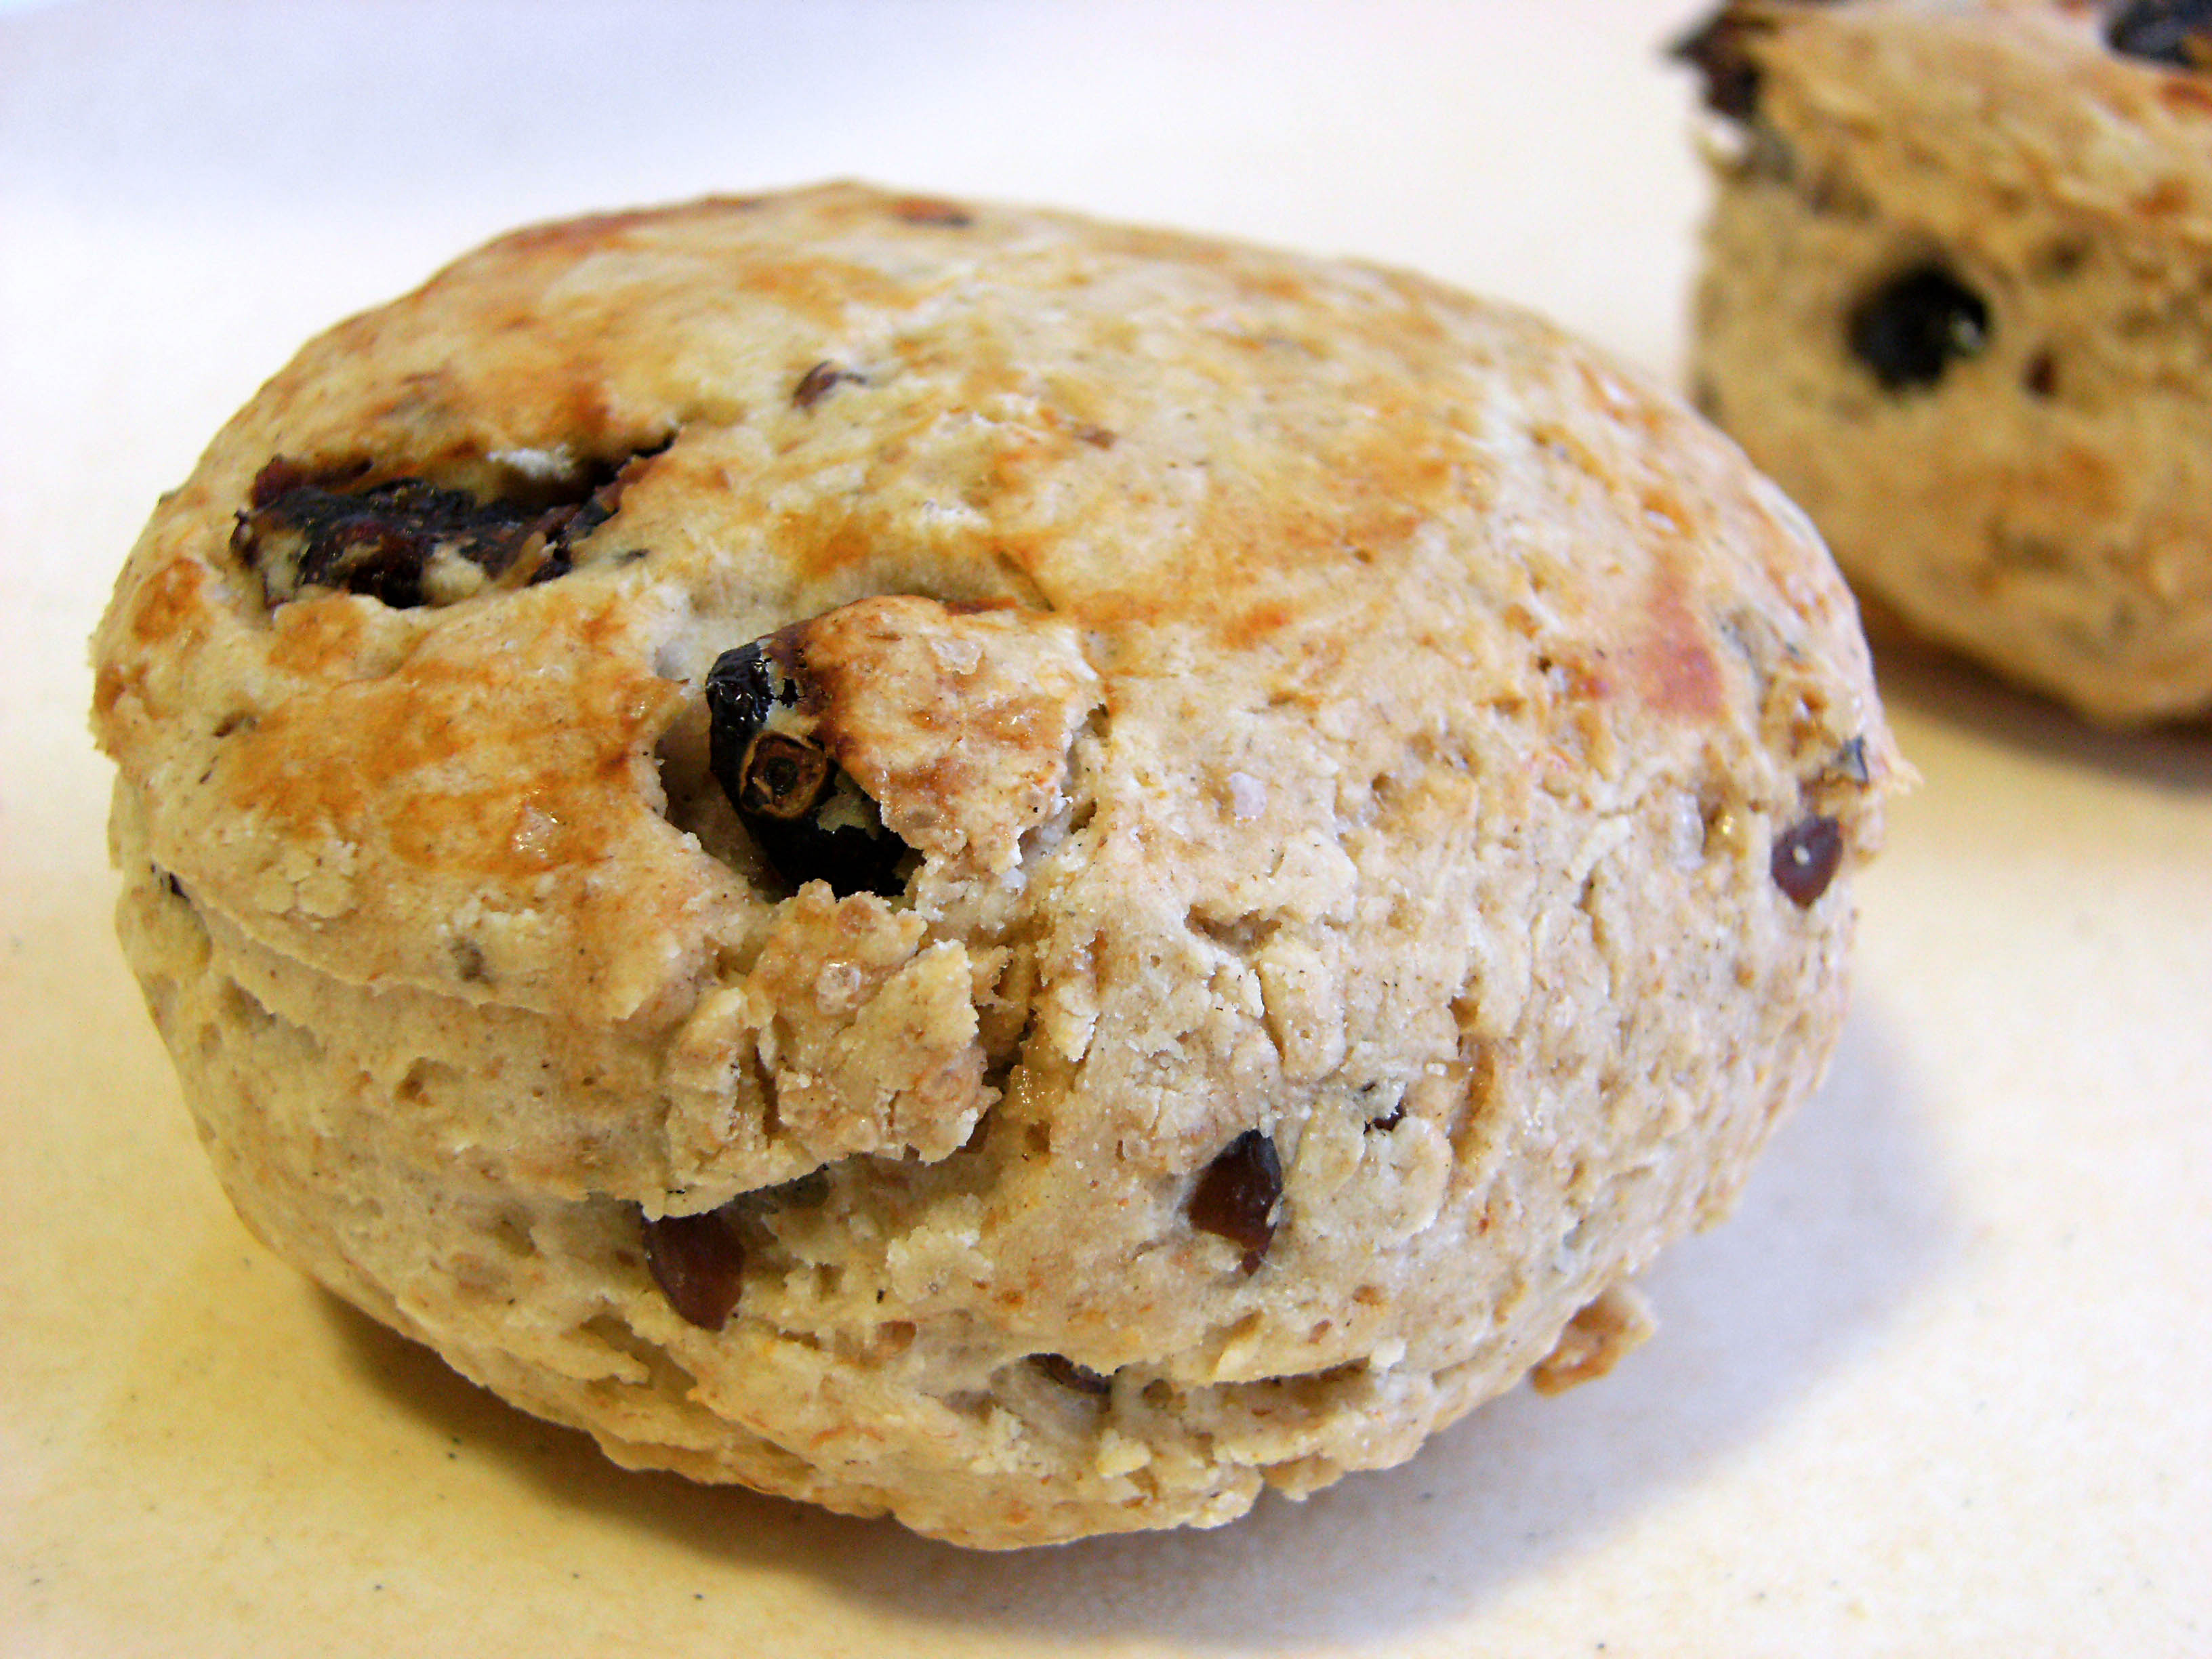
(1118, 1454)
(1596, 1340)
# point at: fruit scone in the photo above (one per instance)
(967, 864)
(1955, 297)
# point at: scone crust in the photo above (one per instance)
(1321, 706)
(2043, 506)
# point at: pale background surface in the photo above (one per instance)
(1940, 1386)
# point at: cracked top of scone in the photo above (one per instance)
(1089, 587)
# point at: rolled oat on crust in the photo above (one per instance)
(971, 864)
(1954, 301)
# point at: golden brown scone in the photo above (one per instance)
(963, 863)
(1953, 302)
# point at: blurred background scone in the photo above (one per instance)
(1954, 301)
(971, 864)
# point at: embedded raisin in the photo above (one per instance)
(818, 382)
(2174, 32)
(1069, 1375)
(1806, 859)
(1912, 328)
(1236, 1196)
(699, 1262)
(803, 811)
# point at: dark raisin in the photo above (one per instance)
(1719, 49)
(818, 382)
(699, 1262)
(322, 527)
(1912, 328)
(1805, 858)
(1381, 1118)
(803, 811)
(469, 965)
(1069, 1375)
(1236, 1196)
(2175, 31)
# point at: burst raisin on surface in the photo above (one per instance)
(2173, 31)
(1236, 1196)
(806, 815)
(1910, 329)
(1805, 858)
(699, 1262)
(322, 527)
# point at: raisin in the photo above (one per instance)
(1236, 1196)
(1805, 858)
(699, 1262)
(782, 778)
(1719, 49)
(322, 527)
(1069, 1375)
(1912, 328)
(2174, 32)
(818, 382)
(803, 811)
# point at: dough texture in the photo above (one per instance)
(1375, 788)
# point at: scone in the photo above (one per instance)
(966, 864)
(1954, 302)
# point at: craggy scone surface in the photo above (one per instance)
(1339, 729)
(1954, 302)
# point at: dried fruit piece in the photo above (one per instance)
(1718, 48)
(1069, 1375)
(699, 1262)
(1805, 858)
(819, 381)
(1910, 328)
(2175, 31)
(406, 541)
(808, 817)
(1236, 1196)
